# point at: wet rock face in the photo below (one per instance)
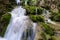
(28, 31)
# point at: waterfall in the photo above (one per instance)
(18, 23)
(18, 2)
(20, 26)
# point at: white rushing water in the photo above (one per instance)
(46, 15)
(17, 1)
(19, 23)
(26, 2)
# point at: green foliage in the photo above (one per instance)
(6, 17)
(33, 18)
(44, 36)
(48, 29)
(33, 2)
(4, 22)
(32, 10)
(55, 17)
(36, 18)
(29, 2)
(52, 38)
(40, 18)
(39, 10)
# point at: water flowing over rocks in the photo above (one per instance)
(19, 14)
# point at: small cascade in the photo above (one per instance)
(36, 10)
(26, 2)
(46, 15)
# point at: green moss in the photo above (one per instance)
(4, 22)
(6, 17)
(32, 10)
(48, 29)
(55, 17)
(33, 18)
(52, 38)
(40, 18)
(39, 10)
(36, 18)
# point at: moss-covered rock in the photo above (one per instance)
(52, 15)
(4, 22)
(36, 18)
(32, 10)
(5, 17)
(55, 17)
(48, 29)
(40, 18)
(52, 38)
(33, 18)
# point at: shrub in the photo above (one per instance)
(6, 17)
(4, 22)
(33, 18)
(39, 10)
(55, 17)
(30, 9)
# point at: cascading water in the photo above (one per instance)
(20, 26)
(19, 22)
(46, 15)
(26, 2)
(17, 1)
